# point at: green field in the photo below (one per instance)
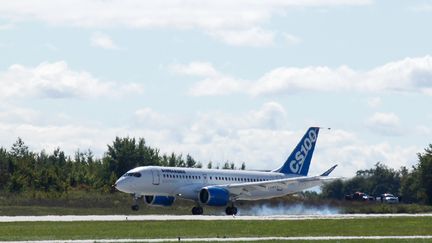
(234, 228)
(89, 203)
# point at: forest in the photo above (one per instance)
(22, 170)
(412, 185)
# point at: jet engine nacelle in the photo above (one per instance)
(159, 200)
(214, 196)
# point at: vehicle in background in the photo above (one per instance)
(388, 198)
(359, 196)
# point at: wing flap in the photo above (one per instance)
(248, 187)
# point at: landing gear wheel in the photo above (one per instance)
(135, 206)
(231, 210)
(234, 210)
(197, 210)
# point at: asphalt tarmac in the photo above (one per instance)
(70, 218)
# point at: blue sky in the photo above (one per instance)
(221, 80)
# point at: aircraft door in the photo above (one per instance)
(205, 180)
(156, 176)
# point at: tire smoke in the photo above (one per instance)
(292, 209)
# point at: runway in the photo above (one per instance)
(72, 218)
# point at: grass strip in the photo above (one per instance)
(173, 229)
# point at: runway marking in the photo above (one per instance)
(72, 218)
(303, 238)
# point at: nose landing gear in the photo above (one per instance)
(135, 206)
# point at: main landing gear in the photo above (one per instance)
(198, 210)
(231, 210)
(135, 206)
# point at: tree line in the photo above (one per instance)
(22, 170)
(411, 185)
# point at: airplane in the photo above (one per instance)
(160, 186)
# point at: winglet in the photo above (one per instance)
(329, 170)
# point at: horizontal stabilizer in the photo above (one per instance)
(329, 170)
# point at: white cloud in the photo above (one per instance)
(291, 39)
(425, 7)
(57, 80)
(293, 80)
(260, 137)
(214, 82)
(248, 37)
(148, 118)
(384, 119)
(48, 137)
(359, 155)
(374, 102)
(6, 26)
(163, 13)
(410, 75)
(15, 114)
(51, 47)
(234, 22)
(202, 69)
(223, 85)
(423, 130)
(385, 123)
(103, 41)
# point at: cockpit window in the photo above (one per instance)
(135, 174)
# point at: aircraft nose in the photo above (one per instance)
(120, 185)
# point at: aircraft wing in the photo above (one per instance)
(292, 185)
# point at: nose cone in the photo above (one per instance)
(122, 185)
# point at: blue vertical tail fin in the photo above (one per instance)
(300, 158)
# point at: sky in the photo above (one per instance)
(238, 81)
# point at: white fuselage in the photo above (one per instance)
(187, 182)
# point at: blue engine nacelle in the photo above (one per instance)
(159, 200)
(214, 196)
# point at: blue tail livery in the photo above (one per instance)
(300, 158)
